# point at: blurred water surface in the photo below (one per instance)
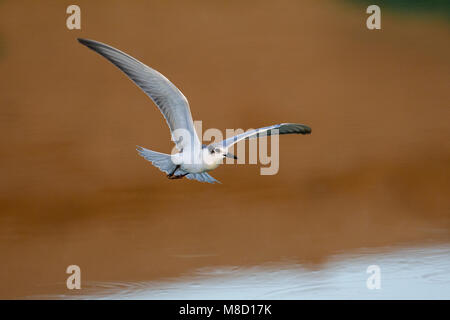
(418, 7)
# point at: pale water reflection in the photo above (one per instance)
(406, 273)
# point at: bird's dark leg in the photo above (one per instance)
(170, 175)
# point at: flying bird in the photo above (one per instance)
(193, 160)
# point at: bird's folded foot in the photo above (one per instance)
(174, 177)
(171, 175)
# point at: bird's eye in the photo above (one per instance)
(212, 150)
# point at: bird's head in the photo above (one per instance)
(214, 154)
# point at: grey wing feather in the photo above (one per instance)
(283, 128)
(170, 101)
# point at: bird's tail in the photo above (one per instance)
(160, 160)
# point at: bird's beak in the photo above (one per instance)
(230, 155)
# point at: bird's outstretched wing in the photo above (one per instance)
(170, 101)
(283, 128)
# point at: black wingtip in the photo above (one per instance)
(303, 129)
